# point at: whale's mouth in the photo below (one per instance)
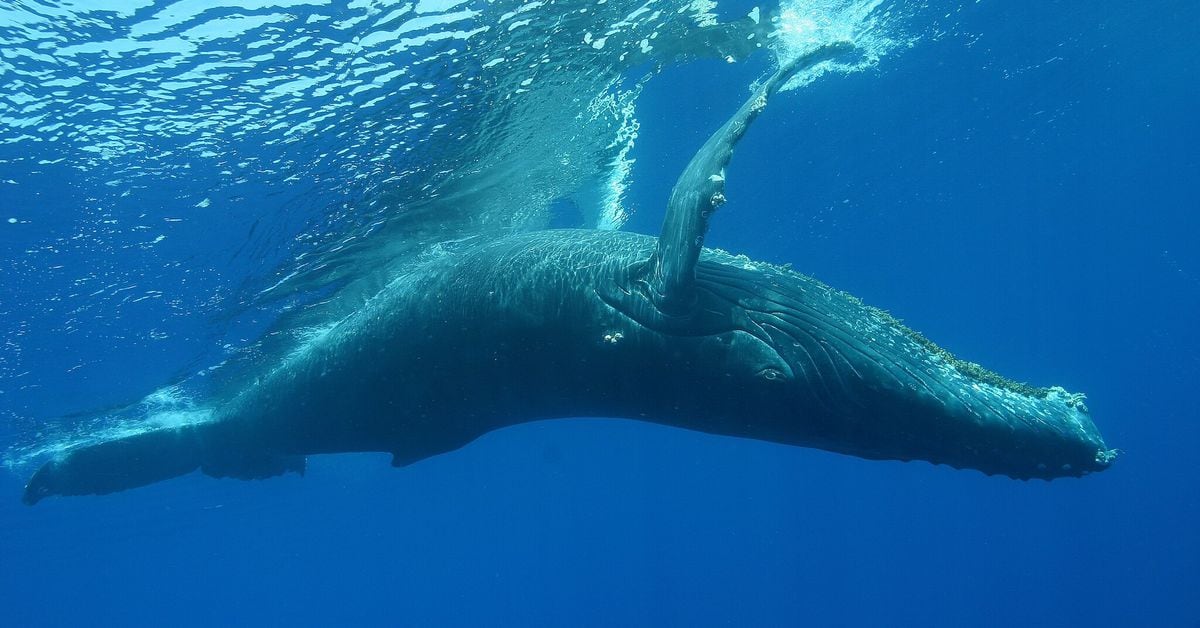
(989, 429)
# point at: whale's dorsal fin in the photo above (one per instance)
(700, 191)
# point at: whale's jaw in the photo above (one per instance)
(990, 430)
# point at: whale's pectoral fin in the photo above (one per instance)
(700, 190)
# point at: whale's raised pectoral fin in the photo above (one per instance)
(700, 190)
(141, 459)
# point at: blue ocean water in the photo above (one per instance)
(1017, 182)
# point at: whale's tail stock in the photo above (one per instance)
(148, 457)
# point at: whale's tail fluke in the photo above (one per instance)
(149, 457)
(118, 464)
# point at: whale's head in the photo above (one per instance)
(771, 354)
(783, 357)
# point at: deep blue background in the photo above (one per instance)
(1036, 215)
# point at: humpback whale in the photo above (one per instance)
(565, 323)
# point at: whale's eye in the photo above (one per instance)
(771, 374)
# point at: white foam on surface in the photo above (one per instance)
(805, 25)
